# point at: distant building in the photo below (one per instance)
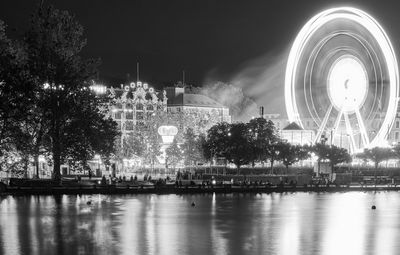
(294, 134)
(198, 111)
(276, 118)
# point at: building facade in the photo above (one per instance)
(134, 104)
(198, 111)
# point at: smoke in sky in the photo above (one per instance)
(241, 107)
(263, 80)
(259, 82)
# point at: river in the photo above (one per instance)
(288, 223)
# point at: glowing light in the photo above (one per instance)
(98, 89)
(347, 75)
(167, 133)
(347, 84)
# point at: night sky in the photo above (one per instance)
(209, 39)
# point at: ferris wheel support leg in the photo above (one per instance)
(363, 130)
(336, 126)
(350, 132)
(321, 128)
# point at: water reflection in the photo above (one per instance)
(291, 223)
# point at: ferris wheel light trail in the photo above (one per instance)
(347, 82)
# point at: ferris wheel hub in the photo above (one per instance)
(347, 84)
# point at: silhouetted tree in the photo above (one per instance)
(238, 149)
(153, 149)
(290, 154)
(321, 151)
(337, 155)
(77, 123)
(190, 147)
(262, 134)
(173, 154)
(376, 154)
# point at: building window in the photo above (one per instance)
(140, 125)
(139, 107)
(118, 115)
(397, 124)
(396, 136)
(129, 115)
(129, 126)
(139, 116)
(118, 125)
(150, 107)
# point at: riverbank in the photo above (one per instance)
(112, 189)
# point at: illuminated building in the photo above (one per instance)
(198, 111)
(295, 134)
(133, 104)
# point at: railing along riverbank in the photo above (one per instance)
(190, 189)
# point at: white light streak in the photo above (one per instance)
(356, 101)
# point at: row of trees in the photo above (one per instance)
(258, 141)
(46, 105)
(243, 144)
(379, 154)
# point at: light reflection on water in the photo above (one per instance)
(291, 223)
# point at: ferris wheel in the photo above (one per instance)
(342, 79)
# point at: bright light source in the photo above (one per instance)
(98, 89)
(347, 84)
(346, 81)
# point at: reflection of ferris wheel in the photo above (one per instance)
(342, 78)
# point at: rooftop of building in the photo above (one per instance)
(292, 126)
(196, 100)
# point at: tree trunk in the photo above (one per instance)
(26, 164)
(56, 167)
(56, 160)
(272, 166)
(36, 160)
(56, 143)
